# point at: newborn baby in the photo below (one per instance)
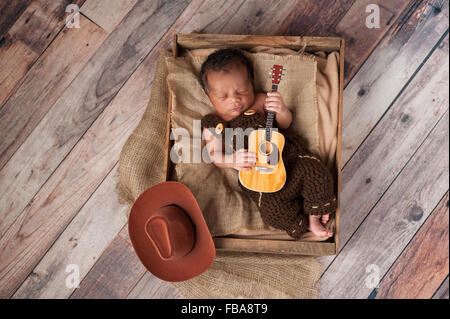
(307, 198)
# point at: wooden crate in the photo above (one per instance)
(312, 44)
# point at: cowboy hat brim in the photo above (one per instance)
(203, 252)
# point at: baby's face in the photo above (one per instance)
(231, 93)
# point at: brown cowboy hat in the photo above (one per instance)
(169, 234)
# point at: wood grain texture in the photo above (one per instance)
(107, 14)
(64, 193)
(151, 287)
(241, 17)
(78, 107)
(345, 19)
(45, 82)
(120, 265)
(392, 143)
(337, 235)
(10, 11)
(422, 267)
(442, 292)
(262, 17)
(81, 243)
(11, 68)
(395, 219)
(202, 41)
(80, 104)
(361, 40)
(387, 70)
(304, 19)
(29, 36)
(275, 246)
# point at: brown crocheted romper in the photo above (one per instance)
(309, 187)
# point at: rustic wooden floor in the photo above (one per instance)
(70, 97)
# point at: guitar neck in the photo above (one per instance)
(270, 117)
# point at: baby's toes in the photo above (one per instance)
(324, 233)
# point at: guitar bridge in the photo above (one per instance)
(263, 169)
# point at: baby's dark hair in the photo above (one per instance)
(219, 60)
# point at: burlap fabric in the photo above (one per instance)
(232, 274)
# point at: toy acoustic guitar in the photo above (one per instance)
(269, 174)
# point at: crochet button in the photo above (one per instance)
(249, 112)
(219, 128)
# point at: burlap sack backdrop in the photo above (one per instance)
(141, 165)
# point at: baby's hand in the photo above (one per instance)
(244, 160)
(274, 102)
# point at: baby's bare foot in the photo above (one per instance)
(316, 227)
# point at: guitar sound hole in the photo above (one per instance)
(266, 148)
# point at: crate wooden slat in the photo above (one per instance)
(275, 246)
(310, 44)
(200, 41)
(339, 143)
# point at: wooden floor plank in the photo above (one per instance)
(64, 193)
(151, 287)
(82, 242)
(391, 144)
(10, 11)
(442, 292)
(264, 17)
(58, 132)
(107, 14)
(392, 224)
(45, 82)
(11, 68)
(360, 40)
(303, 18)
(422, 267)
(393, 141)
(345, 19)
(30, 35)
(122, 266)
(387, 70)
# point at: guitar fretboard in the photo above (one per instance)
(270, 117)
